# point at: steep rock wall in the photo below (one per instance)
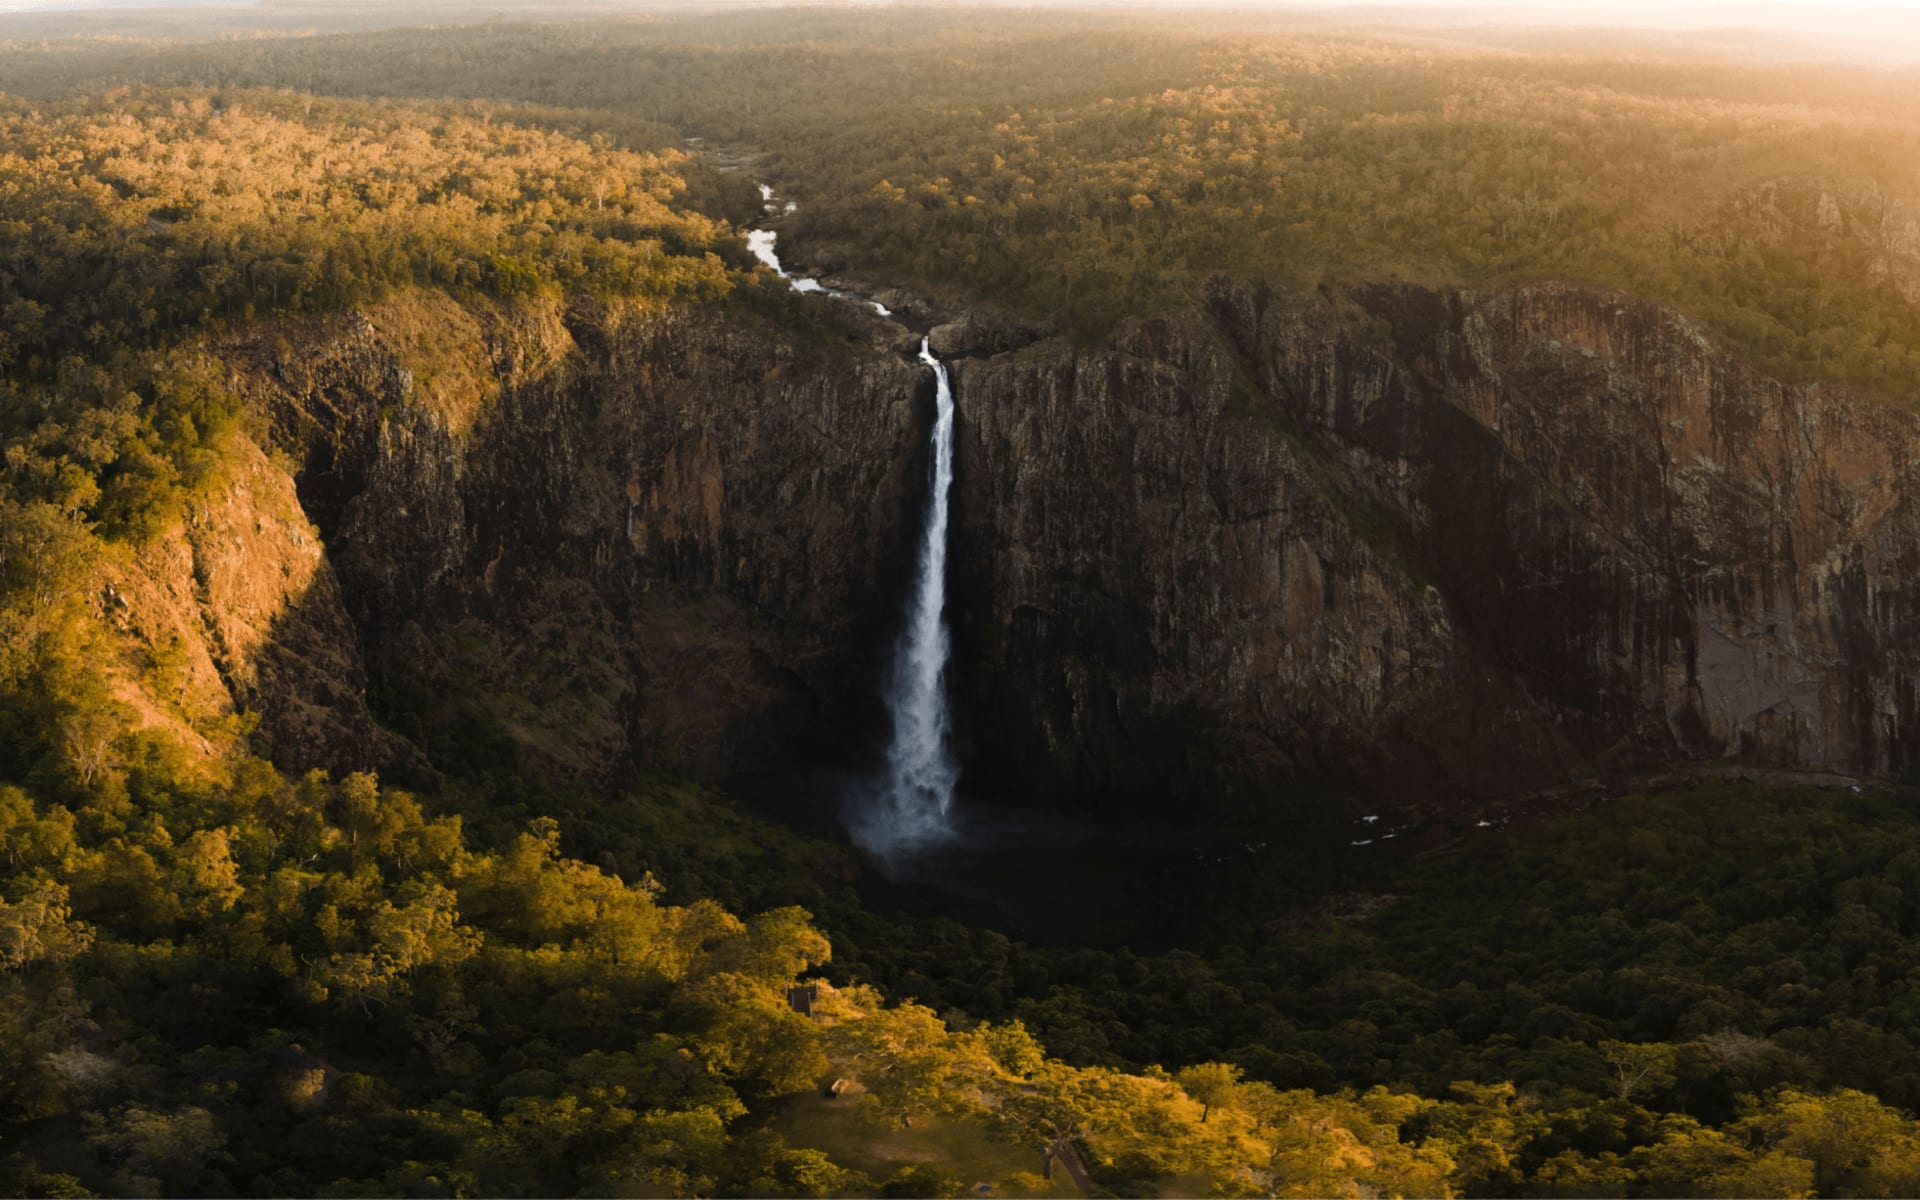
(1391, 543)
(1424, 545)
(581, 539)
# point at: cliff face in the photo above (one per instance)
(1422, 544)
(1391, 543)
(578, 539)
(236, 607)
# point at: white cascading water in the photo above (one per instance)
(913, 810)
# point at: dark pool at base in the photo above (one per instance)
(1051, 878)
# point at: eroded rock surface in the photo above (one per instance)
(1411, 545)
(1442, 544)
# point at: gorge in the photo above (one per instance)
(1664, 558)
(1202, 603)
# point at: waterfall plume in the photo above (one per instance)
(912, 809)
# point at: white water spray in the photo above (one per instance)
(913, 809)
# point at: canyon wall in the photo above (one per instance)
(1429, 546)
(577, 539)
(1385, 544)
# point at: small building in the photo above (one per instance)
(802, 999)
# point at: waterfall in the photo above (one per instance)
(911, 810)
(916, 795)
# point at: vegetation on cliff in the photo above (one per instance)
(130, 222)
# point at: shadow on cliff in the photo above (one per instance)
(1427, 549)
(662, 542)
(1282, 557)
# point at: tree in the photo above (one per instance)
(922, 1182)
(1011, 1047)
(1639, 1066)
(425, 930)
(205, 875)
(1213, 1084)
(172, 1153)
(1346, 1145)
(669, 1154)
(807, 1173)
(777, 946)
(906, 1057)
(1056, 1103)
(87, 741)
(369, 818)
(531, 892)
(44, 556)
(39, 927)
(745, 1030)
(28, 839)
(1855, 1144)
(624, 931)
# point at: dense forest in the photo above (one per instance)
(1075, 169)
(221, 978)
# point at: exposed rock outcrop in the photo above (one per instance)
(586, 538)
(1429, 544)
(1413, 545)
(239, 603)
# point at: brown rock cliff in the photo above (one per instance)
(1422, 545)
(1393, 543)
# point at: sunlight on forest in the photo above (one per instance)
(226, 969)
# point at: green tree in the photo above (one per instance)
(1212, 1084)
(38, 928)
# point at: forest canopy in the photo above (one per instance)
(135, 216)
(1076, 169)
(132, 222)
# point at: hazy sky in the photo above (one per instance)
(1540, 7)
(1795, 14)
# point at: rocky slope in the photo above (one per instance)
(1391, 544)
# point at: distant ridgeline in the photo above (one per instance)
(1081, 169)
(221, 978)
